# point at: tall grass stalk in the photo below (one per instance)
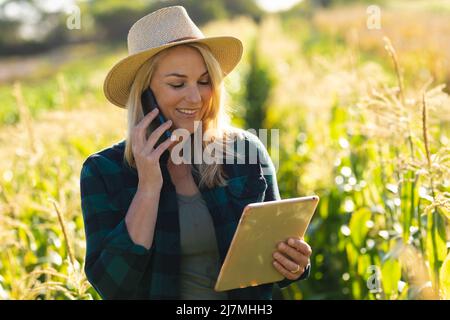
(25, 116)
(434, 214)
(64, 230)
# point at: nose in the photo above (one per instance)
(193, 95)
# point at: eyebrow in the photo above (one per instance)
(182, 75)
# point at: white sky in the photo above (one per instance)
(277, 5)
(24, 11)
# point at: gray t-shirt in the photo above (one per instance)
(200, 264)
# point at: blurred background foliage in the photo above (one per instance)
(363, 115)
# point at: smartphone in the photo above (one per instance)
(149, 103)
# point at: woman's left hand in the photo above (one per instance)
(292, 258)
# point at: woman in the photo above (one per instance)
(157, 228)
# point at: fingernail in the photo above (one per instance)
(155, 110)
(291, 242)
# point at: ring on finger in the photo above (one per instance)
(296, 270)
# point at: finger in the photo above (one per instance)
(291, 252)
(286, 273)
(163, 147)
(286, 263)
(155, 135)
(140, 129)
(300, 245)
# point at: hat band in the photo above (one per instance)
(181, 39)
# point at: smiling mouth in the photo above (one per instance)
(188, 112)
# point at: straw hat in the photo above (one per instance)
(155, 32)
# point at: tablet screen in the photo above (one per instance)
(261, 227)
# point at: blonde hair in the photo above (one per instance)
(215, 120)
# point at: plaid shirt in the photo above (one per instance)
(120, 269)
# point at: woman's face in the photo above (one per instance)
(182, 86)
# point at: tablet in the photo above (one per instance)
(261, 227)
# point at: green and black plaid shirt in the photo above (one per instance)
(120, 269)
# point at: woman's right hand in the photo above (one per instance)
(146, 156)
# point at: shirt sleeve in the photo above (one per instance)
(114, 263)
(273, 193)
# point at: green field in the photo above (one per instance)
(364, 123)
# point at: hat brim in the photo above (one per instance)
(227, 50)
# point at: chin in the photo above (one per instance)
(187, 126)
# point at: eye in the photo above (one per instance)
(204, 83)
